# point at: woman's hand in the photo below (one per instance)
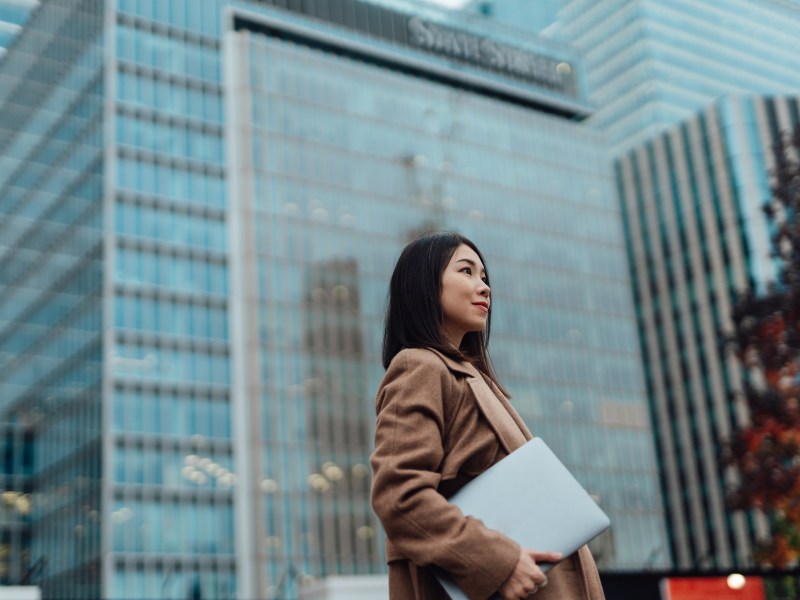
(527, 577)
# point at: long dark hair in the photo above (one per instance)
(414, 314)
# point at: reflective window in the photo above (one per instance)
(350, 162)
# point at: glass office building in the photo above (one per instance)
(51, 273)
(651, 64)
(696, 235)
(15, 505)
(534, 17)
(13, 15)
(202, 202)
(691, 174)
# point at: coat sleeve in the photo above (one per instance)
(409, 450)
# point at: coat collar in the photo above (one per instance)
(454, 365)
(501, 416)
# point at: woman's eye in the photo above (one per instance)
(467, 270)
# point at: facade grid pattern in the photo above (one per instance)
(194, 368)
(51, 175)
(653, 64)
(695, 241)
(332, 168)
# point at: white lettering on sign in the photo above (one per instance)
(484, 52)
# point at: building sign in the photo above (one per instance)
(499, 68)
(490, 54)
(718, 588)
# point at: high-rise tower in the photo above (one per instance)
(651, 64)
(697, 236)
(200, 206)
(690, 96)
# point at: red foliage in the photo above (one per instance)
(767, 341)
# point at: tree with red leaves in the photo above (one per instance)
(766, 339)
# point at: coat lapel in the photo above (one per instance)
(496, 409)
(514, 415)
(504, 425)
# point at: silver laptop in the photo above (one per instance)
(531, 497)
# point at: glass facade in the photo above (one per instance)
(651, 64)
(691, 202)
(691, 181)
(342, 164)
(197, 225)
(15, 503)
(171, 472)
(532, 16)
(13, 15)
(51, 282)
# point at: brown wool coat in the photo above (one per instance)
(441, 423)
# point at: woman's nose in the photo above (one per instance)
(485, 290)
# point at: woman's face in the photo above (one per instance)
(465, 295)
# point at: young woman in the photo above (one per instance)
(442, 419)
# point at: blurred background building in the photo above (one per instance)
(13, 15)
(672, 85)
(200, 206)
(15, 505)
(697, 236)
(534, 17)
(651, 64)
(693, 161)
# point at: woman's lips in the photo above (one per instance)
(482, 305)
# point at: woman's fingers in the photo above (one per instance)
(524, 580)
(539, 556)
(527, 578)
(545, 556)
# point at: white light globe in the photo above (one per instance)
(736, 581)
